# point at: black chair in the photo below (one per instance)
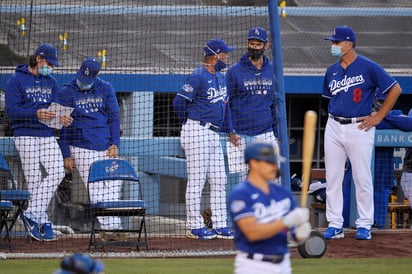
(13, 201)
(5, 208)
(110, 170)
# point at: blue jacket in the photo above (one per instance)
(96, 119)
(202, 97)
(251, 95)
(396, 120)
(26, 93)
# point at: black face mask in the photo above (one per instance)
(255, 54)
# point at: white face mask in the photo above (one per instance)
(83, 86)
(336, 51)
(45, 70)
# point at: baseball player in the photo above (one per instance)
(94, 133)
(350, 85)
(200, 105)
(263, 213)
(29, 92)
(80, 264)
(251, 89)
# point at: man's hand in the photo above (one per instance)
(44, 114)
(371, 121)
(66, 120)
(302, 232)
(296, 217)
(113, 151)
(69, 164)
(234, 139)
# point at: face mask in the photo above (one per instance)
(45, 70)
(336, 51)
(83, 86)
(219, 65)
(255, 54)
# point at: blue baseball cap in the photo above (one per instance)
(342, 33)
(261, 151)
(258, 33)
(88, 70)
(49, 53)
(216, 46)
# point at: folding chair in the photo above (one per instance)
(11, 196)
(110, 170)
(5, 208)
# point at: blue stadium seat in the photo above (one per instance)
(13, 201)
(110, 170)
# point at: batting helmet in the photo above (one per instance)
(80, 264)
(261, 151)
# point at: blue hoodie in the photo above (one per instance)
(26, 93)
(251, 95)
(96, 119)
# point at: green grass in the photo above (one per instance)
(216, 266)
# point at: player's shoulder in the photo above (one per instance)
(333, 66)
(234, 67)
(69, 86)
(198, 72)
(104, 85)
(281, 190)
(241, 189)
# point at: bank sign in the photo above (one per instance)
(394, 138)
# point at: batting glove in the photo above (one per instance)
(296, 217)
(302, 232)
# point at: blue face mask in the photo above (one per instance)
(219, 65)
(336, 51)
(83, 86)
(45, 70)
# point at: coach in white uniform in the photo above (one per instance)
(200, 105)
(351, 85)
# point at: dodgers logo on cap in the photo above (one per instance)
(342, 33)
(258, 33)
(88, 70)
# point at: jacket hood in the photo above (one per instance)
(244, 61)
(24, 68)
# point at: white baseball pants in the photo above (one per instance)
(102, 191)
(341, 142)
(244, 265)
(37, 152)
(205, 161)
(268, 137)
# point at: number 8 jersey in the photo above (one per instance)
(352, 90)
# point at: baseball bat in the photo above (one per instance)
(309, 131)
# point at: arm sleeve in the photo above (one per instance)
(55, 90)
(227, 123)
(64, 142)
(180, 106)
(392, 121)
(114, 116)
(275, 122)
(326, 91)
(14, 109)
